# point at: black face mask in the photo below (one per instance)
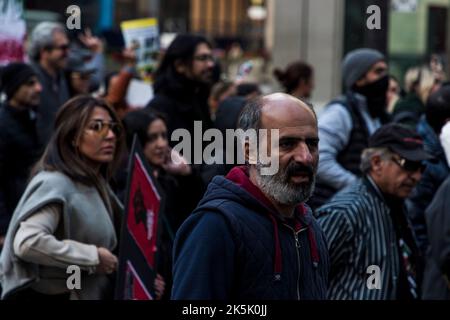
(375, 94)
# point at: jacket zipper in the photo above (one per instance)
(297, 246)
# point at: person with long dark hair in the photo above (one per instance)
(68, 215)
(175, 178)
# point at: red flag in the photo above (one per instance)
(139, 236)
(143, 208)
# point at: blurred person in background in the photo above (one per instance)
(117, 83)
(437, 111)
(219, 92)
(393, 94)
(20, 146)
(48, 49)
(182, 86)
(248, 90)
(86, 41)
(297, 79)
(182, 83)
(226, 118)
(347, 122)
(174, 178)
(78, 73)
(420, 82)
(436, 284)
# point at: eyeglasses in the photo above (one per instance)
(204, 57)
(102, 128)
(410, 166)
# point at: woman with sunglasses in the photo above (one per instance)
(68, 215)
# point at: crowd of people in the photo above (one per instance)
(361, 184)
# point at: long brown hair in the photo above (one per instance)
(62, 154)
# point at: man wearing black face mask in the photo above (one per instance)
(348, 121)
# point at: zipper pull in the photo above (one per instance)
(297, 243)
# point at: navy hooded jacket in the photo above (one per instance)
(235, 246)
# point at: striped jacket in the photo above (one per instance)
(360, 233)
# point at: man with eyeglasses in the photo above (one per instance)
(366, 224)
(182, 85)
(348, 121)
(48, 51)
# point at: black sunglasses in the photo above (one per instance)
(410, 166)
(62, 47)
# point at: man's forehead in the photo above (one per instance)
(287, 115)
(59, 36)
(298, 132)
(203, 47)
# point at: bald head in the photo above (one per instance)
(279, 107)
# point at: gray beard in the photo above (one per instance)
(278, 187)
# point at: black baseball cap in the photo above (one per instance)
(401, 140)
(77, 61)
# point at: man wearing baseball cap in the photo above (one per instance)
(348, 121)
(79, 72)
(20, 146)
(372, 248)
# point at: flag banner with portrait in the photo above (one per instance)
(139, 234)
(12, 31)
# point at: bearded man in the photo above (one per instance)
(252, 236)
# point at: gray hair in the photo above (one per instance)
(369, 153)
(42, 37)
(250, 116)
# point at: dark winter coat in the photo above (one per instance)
(236, 246)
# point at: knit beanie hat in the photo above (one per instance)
(13, 75)
(357, 62)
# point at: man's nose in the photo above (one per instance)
(303, 154)
(416, 175)
(38, 87)
(210, 63)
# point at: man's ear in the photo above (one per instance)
(249, 154)
(376, 165)
(43, 52)
(361, 82)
